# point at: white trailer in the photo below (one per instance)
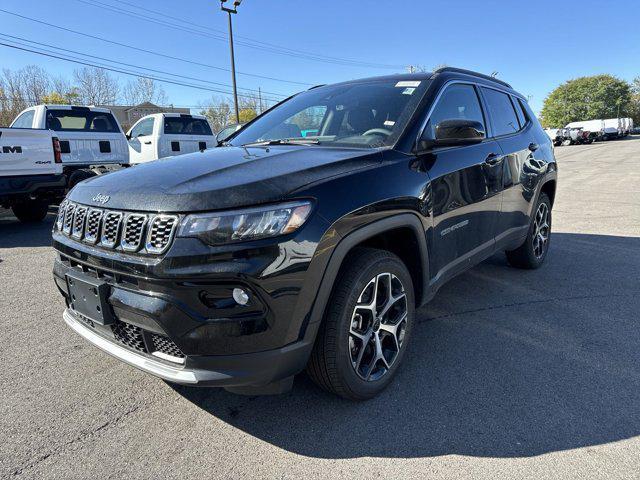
(612, 128)
(595, 127)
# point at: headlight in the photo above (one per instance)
(250, 224)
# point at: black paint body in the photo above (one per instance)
(442, 211)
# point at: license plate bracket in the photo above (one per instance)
(88, 296)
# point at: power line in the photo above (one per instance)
(132, 65)
(255, 44)
(151, 52)
(117, 70)
(259, 42)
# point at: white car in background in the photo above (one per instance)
(168, 134)
(91, 139)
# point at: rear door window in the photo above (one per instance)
(25, 120)
(81, 121)
(503, 116)
(143, 128)
(186, 126)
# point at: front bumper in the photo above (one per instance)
(255, 369)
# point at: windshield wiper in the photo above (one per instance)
(283, 141)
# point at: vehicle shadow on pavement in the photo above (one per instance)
(14, 234)
(503, 363)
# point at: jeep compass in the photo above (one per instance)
(310, 236)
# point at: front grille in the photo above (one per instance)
(128, 335)
(165, 345)
(110, 229)
(68, 218)
(129, 231)
(92, 230)
(161, 232)
(78, 221)
(133, 232)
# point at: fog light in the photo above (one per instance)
(240, 296)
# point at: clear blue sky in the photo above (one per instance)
(535, 45)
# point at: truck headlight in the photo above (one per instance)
(247, 224)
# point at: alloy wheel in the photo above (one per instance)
(541, 230)
(378, 326)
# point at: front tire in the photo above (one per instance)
(369, 320)
(533, 251)
(30, 211)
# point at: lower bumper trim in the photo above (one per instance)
(166, 372)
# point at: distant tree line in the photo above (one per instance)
(591, 98)
(33, 85)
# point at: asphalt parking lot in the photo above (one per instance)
(511, 374)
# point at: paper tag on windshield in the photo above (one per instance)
(389, 123)
(409, 83)
(408, 91)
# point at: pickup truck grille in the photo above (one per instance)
(112, 229)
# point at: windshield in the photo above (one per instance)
(367, 114)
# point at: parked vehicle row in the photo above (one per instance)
(577, 133)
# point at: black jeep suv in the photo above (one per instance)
(310, 236)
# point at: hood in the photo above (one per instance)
(220, 178)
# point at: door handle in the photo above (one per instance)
(148, 142)
(533, 147)
(492, 159)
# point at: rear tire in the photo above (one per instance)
(363, 337)
(533, 251)
(30, 211)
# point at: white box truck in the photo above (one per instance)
(594, 127)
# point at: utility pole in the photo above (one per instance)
(260, 98)
(236, 4)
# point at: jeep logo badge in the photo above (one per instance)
(99, 198)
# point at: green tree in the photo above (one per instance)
(634, 110)
(586, 98)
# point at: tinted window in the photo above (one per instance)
(522, 115)
(503, 116)
(81, 120)
(186, 126)
(458, 102)
(143, 129)
(25, 120)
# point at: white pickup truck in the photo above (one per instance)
(31, 175)
(168, 134)
(91, 139)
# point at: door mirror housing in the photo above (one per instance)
(454, 132)
(128, 136)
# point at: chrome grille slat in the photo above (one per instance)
(161, 231)
(133, 232)
(60, 218)
(110, 228)
(78, 221)
(92, 229)
(68, 218)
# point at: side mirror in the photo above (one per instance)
(128, 136)
(450, 133)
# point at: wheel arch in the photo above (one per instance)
(379, 234)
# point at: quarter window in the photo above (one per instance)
(458, 102)
(25, 120)
(143, 129)
(503, 116)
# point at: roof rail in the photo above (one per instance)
(472, 73)
(317, 86)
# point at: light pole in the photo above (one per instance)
(236, 4)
